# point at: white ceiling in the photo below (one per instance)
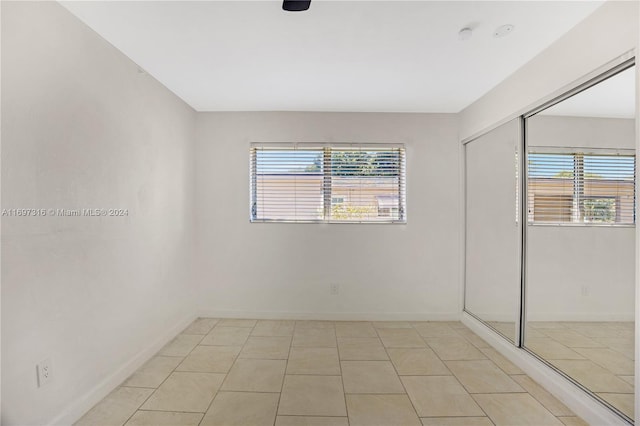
(612, 98)
(337, 56)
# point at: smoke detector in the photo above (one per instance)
(503, 31)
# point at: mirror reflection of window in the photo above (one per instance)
(580, 245)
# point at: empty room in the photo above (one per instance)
(322, 213)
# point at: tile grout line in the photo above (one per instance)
(540, 402)
(227, 373)
(454, 376)
(455, 332)
(508, 375)
(284, 376)
(415, 410)
(344, 392)
(172, 371)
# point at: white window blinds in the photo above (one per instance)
(327, 183)
(581, 188)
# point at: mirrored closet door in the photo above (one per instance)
(492, 280)
(580, 238)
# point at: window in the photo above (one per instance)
(327, 183)
(581, 188)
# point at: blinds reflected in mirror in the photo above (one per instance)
(581, 188)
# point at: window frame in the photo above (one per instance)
(327, 188)
(582, 152)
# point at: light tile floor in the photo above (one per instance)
(599, 355)
(326, 373)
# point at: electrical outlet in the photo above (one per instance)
(44, 371)
(335, 289)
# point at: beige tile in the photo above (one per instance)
(181, 345)
(318, 361)
(608, 359)
(381, 410)
(502, 362)
(201, 326)
(116, 407)
(255, 375)
(315, 324)
(599, 330)
(473, 338)
(457, 325)
(572, 338)
(361, 349)
(401, 338)
(625, 346)
(210, 359)
(515, 409)
(237, 323)
(312, 396)
(266, 348)
(183, 391)
(548, 349)
(482, 376)
(456, 421)
(391, 324)
(242, 409)
(627, 350)
(271, 328)
(417, 362)
(440, 396)
(311, 421)
(355, 329)
(629, 379)
(545, 325)
(535, 332)
(622, 401)
(314, 337)
(594, 377)
(153, 373)
(164, 418)
(434, 329)
(454, 348)
(227, 336)
(507, 329)
(370, 377)
(573, 421)
(550, 402)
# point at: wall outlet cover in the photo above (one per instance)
(44, 372)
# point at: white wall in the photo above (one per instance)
(284, 270)
(589, 270)
(82, 128)
(581, 132)
(564, 260)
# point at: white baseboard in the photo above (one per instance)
(333, 316)
(497, 317)
(78, 408)
(581, 316)
(558, 316)
(581, 403)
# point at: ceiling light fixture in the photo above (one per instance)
(465, 34)
(503, 31)
(295, 5)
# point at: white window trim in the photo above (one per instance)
(328, 145)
